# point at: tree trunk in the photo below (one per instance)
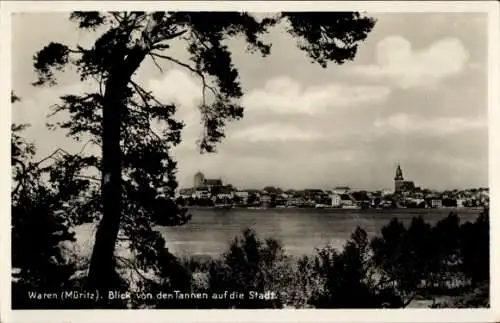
(102, 272)
(102, 266)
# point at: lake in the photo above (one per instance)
(299, 230)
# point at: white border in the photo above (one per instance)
(406, 315)
(5, 176)
(494, 146)
(255, 6)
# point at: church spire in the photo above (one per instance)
(399, 174)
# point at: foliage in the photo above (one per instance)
(348, 276)
(400, 263)
(475, 248)
(445, 249)
(250, 265)
(41, 214)
(437, 258)
(479, 297)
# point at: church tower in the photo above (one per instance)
(398, 180)
(199, 180)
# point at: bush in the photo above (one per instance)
(475, 248)
(349, 280)
(305, 283)
(176, 275)
(37, 238)
(444, 252)
(252, 267)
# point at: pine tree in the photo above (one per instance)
(136, 165)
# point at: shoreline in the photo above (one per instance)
(471, 208)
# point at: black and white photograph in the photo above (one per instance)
(247, 159)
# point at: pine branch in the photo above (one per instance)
(130, 264)
(195, 71)
(156, 63)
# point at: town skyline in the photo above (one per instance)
(214, 192)
(416, 93)
(227, 181)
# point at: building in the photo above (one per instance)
(341, 189)
(223, 192)
(400, 185)
(360, 196)
(201, 193)
(281, 200)
(313, 194)
(419, 195)
(265, 200)
(296, 201)
(201, 182)
(346, 200)
(398, 180)
(284, 196)
(436, 203)
(212, 183)
(186, 193)
(386, 192)
(336, 200)
(242, 196)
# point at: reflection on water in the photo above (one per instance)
(300, 230)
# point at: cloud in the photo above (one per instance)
(279, 97)
(408, 124)
(284, 95)
(35, 109)
(405, 67)
(180, 88)
(275, 132)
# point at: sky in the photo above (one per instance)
(416, 94)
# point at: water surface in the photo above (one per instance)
(300, 230)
